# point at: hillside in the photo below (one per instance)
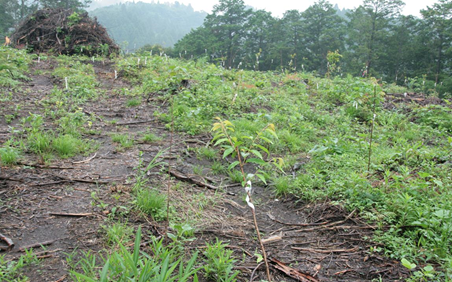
(102, 159)
(141, 23)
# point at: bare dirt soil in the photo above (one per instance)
(52, 204)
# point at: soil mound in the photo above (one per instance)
(63, 31)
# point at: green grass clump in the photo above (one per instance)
(133, 102)
(124, 140)
(152, 202)
(67, 146)
(283, 185)
(40, 142)
(9, 156)
(151, 138)
(165, 264)
(218, 168)
(118, 233)
(13, 270)
(235, 176)
(206, 153)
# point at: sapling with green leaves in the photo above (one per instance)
(246, 149)
(250, 152)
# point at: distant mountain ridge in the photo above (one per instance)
(133, 25)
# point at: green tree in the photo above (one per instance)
(405, 51)
(439, 23)
(13, 11)
(368, 31)
(293, 33)
(6, 19)
(193, 45)
(323, 32)
(258, 40)
(227, 23)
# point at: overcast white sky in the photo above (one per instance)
(278, 7)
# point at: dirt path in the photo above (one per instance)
(64, 205)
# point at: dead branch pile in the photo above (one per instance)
(63, 31)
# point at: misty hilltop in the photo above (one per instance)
(133, 25)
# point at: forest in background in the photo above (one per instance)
(373, 39)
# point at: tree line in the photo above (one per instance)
(373, 39)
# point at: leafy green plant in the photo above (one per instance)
(182, 234)
(246, 152)
(237, 147)
(427, 273)
(435, 116)
(13, 66)
(72, 123)
(219, 263)
(86, 262)
(141, 171)
(81, 80)
(73, 19)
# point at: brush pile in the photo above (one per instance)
(63, 31)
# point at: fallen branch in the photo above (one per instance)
(254, 271)
(343, 271)
(10, 179)
(83, 180)
(71, 214)
(44, 166)
(61, 279)
(295, 224)
(134, 122)
(50, 183)
(351, 227)
(239, 248)
(325, 251)
(85, 161)
(179, 175)
(327, 226)
(35, 245)
(43, 254)
(8, 241)
(291, 272)
(272, 239)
